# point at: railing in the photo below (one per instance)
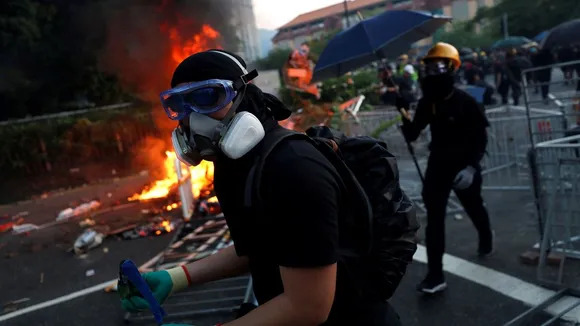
(69, 149)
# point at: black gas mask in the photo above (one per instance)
(438, 80)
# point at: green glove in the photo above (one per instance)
(162, 284)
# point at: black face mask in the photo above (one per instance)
(437, 87)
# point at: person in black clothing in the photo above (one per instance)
(543, 76)
(389, 87)
(458, 133)
(509, 77)
(566, 54)
(290, 245)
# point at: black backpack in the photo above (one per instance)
(379, 213)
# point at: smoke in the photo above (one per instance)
(138, 48)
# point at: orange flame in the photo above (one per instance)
(201, 179)
(204, 40)
(201, 175)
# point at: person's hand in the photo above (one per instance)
(162, 284)
(464, 178)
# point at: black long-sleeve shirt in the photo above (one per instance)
(458, 128)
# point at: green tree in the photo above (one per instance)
(275, 59)
(319, 44)
(528, 18)
(464, 34)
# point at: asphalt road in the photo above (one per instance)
(465, 303)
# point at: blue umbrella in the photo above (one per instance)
(475, 91)
(564, 34)
(383, 36)
(511, 42)
(538, 38)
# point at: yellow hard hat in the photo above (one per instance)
(403, 57)
(483, 54)
(444, 51)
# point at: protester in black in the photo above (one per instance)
(389, 88)
(458, 133)
(542, 58)
(291, 244)
(510, 77)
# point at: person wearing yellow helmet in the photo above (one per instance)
(458, 142)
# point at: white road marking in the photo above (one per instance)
(502, 283)
(68, 297)
(510, 286)
(49, 303)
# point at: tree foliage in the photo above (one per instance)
(464, 34)
(531, 17)
(525, 18)
(47, 60)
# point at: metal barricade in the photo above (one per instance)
(557, 167)
(556, 175)
(555, 87)
(505, 165)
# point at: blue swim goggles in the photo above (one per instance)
(203, 97)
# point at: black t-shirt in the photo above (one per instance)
(458, 128)
(302, 193)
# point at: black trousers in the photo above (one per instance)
(504, 88)
(436, 190)
(544, 78)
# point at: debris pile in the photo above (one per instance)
(82, 209)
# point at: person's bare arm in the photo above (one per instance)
(223, 264)
(306, 301)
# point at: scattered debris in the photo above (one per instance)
(458, 217)
(111, 288)
(14, 305)
(105, 250)
(209, 206)
(65, 214)
(88, 240)
(90, 273)
(157, 226)
(19, 215)
(5, 227)
(87, 222)
(24, 228)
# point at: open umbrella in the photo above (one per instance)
(562, 35)
(383, 36)
(465, 51)
(510, 42)
(538, 38)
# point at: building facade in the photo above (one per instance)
(313, 24)
(245, 22)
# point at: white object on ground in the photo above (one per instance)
(23, 228)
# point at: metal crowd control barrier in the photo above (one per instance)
(556, 174)
(562, 91)
(205, 304)
(554, 165)
(505, 165)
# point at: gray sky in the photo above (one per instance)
(272, 14)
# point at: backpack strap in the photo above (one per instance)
(254, 178)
